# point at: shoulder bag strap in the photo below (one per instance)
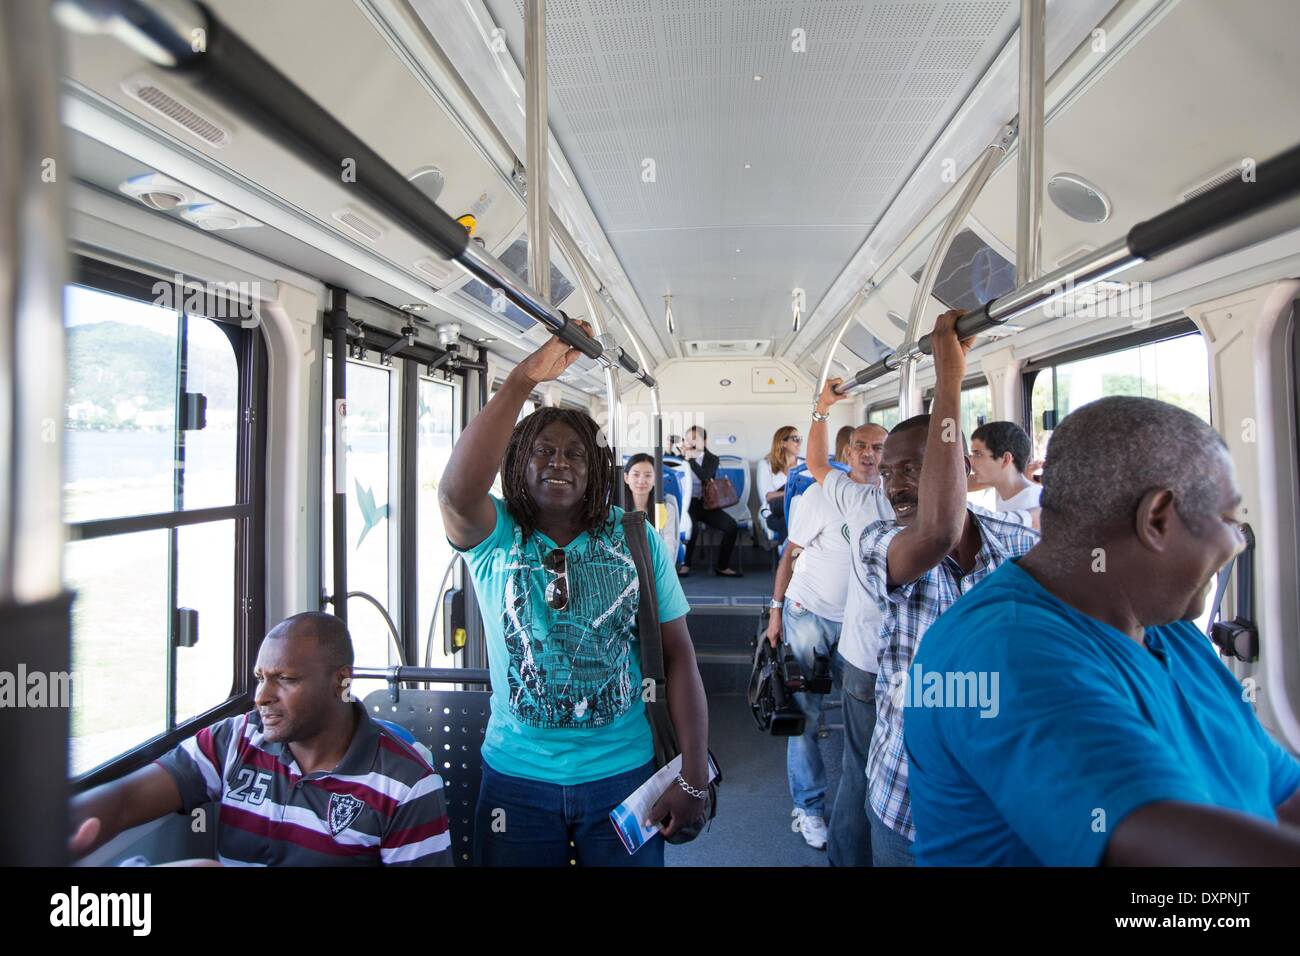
(652, 648)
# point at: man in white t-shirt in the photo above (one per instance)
(999, 453)
(820, 607)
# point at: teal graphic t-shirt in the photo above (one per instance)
(566, 685)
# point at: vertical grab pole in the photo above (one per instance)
(1029, 181)
(574, 255)
(659, 448)
(537, 135)
(859, 299)
(338, 480)
(909, 395)
(35, 609)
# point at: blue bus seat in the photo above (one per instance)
(799, 481)
(737, 469)
(424, 714)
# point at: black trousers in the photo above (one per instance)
(715, 518)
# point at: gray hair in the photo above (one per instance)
(1109, 453)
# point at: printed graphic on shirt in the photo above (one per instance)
(343, 809)
(574, 669)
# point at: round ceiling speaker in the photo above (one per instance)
(160, 192)
(429, 180)
(1078, 198)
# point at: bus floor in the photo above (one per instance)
(752, 827)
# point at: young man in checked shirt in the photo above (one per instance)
(916, 566)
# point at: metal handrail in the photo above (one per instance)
(234, 74)
(1029, 161)
(392, 628)
(1276, 180)
(432, 675)
(980, 172)
(442, 587)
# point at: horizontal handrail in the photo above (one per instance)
(188, 38)
(396, 674)
(1276, 180)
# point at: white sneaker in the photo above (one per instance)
(812, 828)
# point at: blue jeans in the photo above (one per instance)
(849, 840)
(521, 822)
(807, 633)
(887, 847)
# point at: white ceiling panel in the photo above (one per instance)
(658, 110)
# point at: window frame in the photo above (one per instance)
(1174, 329)
(248, 512)
(410, 570)
(879, 406)
(409, 368)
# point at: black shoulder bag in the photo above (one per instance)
(652, 667)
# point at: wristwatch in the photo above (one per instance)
(820, 416)
(775, 605)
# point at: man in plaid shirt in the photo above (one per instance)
(918, 565)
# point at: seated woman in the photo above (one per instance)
(638, 495)
(773, 471)
(568, 738)
(704, 465)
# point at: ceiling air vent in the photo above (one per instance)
(727, 347)
(162, 101)
(356, 222)
(1218, 179)
(441, 272)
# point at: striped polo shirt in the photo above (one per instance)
(381, 806)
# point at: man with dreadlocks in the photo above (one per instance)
(568, 739)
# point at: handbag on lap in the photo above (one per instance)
(719, 493)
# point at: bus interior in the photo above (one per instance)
(266, 259)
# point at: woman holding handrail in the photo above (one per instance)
(568, 739)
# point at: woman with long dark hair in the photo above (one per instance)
(568, 739)
(639, 495)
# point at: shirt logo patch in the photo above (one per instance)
(343, 809)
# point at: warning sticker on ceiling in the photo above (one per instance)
(771, 380)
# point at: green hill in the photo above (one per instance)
(109, 362)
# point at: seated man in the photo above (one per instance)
(305, 779)
(1113, 734)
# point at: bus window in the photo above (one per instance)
(437, 430)
(886, 416)
(138, 471)
(121, 406)
(976, 408)
(119, 660)
(1174, 370)
(369, 461)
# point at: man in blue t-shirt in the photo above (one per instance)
(568, 739)
(1066, 711)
